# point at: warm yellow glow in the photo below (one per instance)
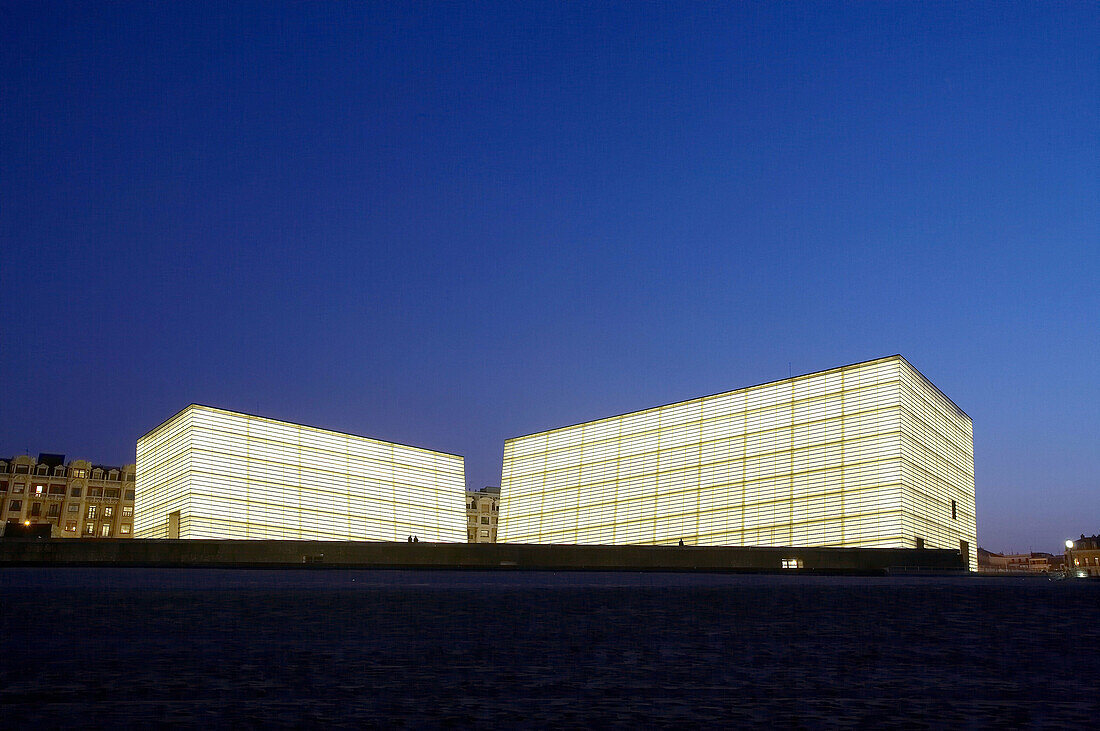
(1069, 544)
(865, 455)
(234, 475)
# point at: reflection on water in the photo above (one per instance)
(334, 647)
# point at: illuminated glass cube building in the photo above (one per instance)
(866, 455)
(212, 473)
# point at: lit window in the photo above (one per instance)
(128, 511)
(792, 563)
(89, 528)
(484, 533)
(108, 511)
(80, 473)
(105, 530)
(39, 489)
(124, 529)
(70, 525)
(91, 511)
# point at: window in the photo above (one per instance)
(105, 530)
(42, 469)
(95, 492)
(130, 495)
(80, 473)
(22, 469)
(39, 490)
(108, 512)
(3, 486)
(954, 515)
(484, 520)
(89, 529)
(15, 505)
(18, 489)
(124, 529)
(53, 511)
(36, 509)
(920, 543)
(128, 511)
(59, 471)
(70, 525)
(484, 532)
(792, 563)
(57, 490)
(75, 492)
(74, 507)
(111, 492)
(91, 511)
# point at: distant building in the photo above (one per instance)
(79, 499)
(481, 515)
(1037, 561)
(213, 473)
(1083, 555)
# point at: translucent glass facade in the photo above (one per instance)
(867, 455)
(233, 475)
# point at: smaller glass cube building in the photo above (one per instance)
(212, 473)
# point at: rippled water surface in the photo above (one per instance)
(120, 647)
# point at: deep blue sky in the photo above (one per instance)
(450, 224)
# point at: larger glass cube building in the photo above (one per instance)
(866, 455)
(212, 473)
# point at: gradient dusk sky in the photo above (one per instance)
(449, 224)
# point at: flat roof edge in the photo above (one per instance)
(895, 356)
(246, 414)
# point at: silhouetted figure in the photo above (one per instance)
(416, 539)
(410, 539)
(681, 541)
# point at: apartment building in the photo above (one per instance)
(482, 508)
(78, 499)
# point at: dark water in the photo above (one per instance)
(247, 649)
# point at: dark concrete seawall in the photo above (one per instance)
(500, 556)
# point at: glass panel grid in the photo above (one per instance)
(848, 457)
(244, 477)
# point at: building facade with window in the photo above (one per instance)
(78, 499)
(482, 511)
(213, 473)
(865, 455)
(1083, 556)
